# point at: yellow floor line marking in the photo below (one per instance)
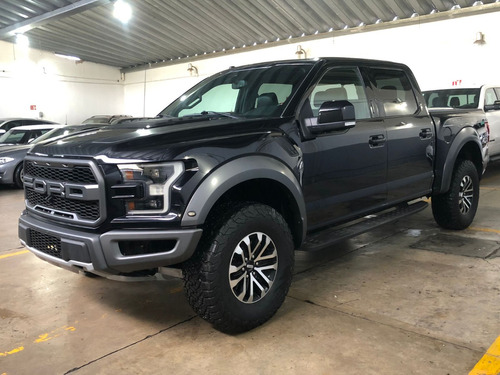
(489, 188)
(14, 254)
(44, 337)
(490, 363)
(16, 350)
(484, 230)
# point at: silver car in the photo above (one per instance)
(23, 135)
(9, 123)
(11, 157)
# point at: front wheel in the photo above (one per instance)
(456, 208)
(242, 273)
(18, 176)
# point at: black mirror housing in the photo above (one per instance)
(493, 107)
(334, 115)
(338, 110)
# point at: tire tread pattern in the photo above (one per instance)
(445, 207)
(201, 272)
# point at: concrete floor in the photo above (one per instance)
(408, 298)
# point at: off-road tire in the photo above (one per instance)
(456, 208)
(208, 274)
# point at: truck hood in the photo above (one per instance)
(158, 139)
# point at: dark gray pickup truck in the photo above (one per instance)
(242, 169)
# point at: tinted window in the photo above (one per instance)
(341, 84)
(456, 98)
(394, 92)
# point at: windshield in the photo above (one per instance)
(455, 98)
(246, 93)
(21, 136)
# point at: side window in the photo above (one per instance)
(341, 84)
(490, 97)
(221, 98)
(394, 92)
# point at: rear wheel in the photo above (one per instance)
(456, 208)
(242, 273)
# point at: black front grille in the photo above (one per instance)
(77, 174)
(88, 210)
(64, 190)
(49, 245)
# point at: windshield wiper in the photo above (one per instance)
(222, 114)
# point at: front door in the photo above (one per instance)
(344, 170)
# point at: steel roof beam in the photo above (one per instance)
(31, 23)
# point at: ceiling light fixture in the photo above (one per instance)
(122, 11)
(300, 51)
(479, 38)
(22, 40)
(68, 57)
(192, 69)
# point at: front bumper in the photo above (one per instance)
(7, 173)
(102, 254)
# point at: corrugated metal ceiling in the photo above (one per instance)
(162, 31)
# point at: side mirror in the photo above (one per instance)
(334, 115)
(493, 107)
(2, 131)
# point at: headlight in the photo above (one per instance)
(157, 180)
(6, 160)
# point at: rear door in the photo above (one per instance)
(410, 134)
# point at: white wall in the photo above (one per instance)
(438, 52)
(66, 92)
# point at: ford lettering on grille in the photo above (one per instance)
(65, 192)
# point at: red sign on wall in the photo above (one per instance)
(33, 107)
(457, 82)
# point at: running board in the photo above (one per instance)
(330, 236)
